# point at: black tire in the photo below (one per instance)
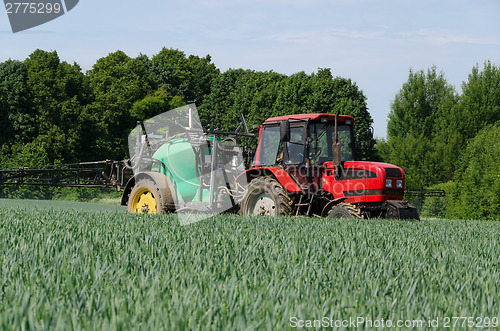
(266, 197)
(345, 210)
(145, 198)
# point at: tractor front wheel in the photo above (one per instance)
(266, 197)
(144, 198)
(345, 210)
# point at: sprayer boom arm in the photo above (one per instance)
(87, 174)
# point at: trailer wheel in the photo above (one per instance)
(345, 210)
(266, 197)
(144, 198)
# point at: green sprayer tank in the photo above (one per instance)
(179, 158)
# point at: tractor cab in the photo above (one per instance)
(303, 144)
(305, 140)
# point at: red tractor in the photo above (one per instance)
(305, 165)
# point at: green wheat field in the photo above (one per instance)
(82, 266)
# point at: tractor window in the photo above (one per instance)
(269, 145)
(323, 136)
(296, 145)
(344, 132)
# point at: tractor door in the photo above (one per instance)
(291, 155)
(272, 151)
(295, 161)
(269, 150)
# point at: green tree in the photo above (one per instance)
(255, 97)
(190, 77)
(117, 82)
(478, 106)
(419, 102)
(477, 180)
(155, 103)
(42, 100)
(480, 101)
(411, 130)
(236, 92)
(16, 116)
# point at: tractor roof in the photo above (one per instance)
(331, 117)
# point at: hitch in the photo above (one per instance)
(400, 209)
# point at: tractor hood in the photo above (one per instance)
(378, 168)
(363, 181)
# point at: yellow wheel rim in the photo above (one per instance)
(144, 202)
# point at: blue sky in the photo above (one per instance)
(373, 42)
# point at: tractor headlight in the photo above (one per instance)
(399, 183)
(388, 183)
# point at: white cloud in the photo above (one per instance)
(422, 36)
(324, 36)
(444, 37)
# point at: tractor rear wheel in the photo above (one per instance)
(145, 198)
(345, 210)
(266, 197)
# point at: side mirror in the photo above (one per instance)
(369, 138)
(337, 159)
(285, 131)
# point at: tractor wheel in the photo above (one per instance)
(145, 198)
(345, 210)
(266, 197)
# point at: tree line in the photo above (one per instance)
(53, 113)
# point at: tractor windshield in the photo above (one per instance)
(323, 137)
